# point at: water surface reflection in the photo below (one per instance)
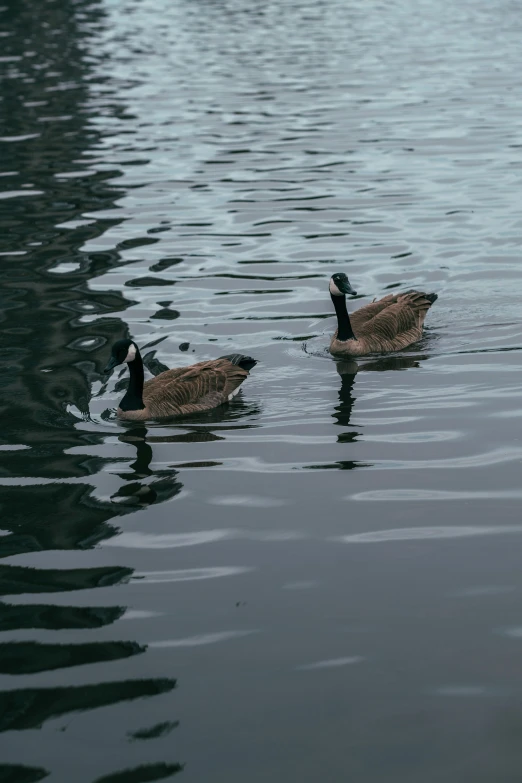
(191, 174)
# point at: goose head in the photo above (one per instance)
(122, 351)
(340, 285)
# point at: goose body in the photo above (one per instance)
(390, 324)
(178, 392)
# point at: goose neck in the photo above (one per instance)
(133, 400)
(344, 326)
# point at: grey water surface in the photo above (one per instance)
(323, 580)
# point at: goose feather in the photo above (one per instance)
(193, 389)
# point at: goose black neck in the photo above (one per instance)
(344, 327)
(133, 400)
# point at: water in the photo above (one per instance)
(322, 581)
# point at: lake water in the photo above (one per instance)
(322, 581)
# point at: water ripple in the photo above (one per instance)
(423, 495)
(202, 639)
(332, 663)
(138, 540)
(427, 533)
(189, 574)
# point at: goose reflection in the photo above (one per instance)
(139, 491)
(348, 371)
(385, 363)
(145, 485)
(237, 410)
(343, 412)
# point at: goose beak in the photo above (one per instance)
(111, 364)
(346, 288)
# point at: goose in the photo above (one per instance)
(390, 324)
(178, 392)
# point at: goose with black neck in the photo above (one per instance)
(389, 324)
(179, 392)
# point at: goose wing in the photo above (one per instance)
(364, 314)
(192, 389)
(399, 322)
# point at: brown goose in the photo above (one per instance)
(177, 392)
(390, 324)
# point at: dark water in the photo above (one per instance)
(322, 581)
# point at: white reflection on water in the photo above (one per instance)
(427, 533)
(436, 494)
(331, 663)
(137, 540)
(189, 574)
(248, 501)
(207, 638)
